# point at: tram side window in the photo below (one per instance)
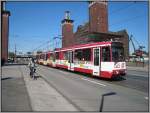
(37, 56)
(106, 54)
(84, 54)
(87, 54)
(43, 56)
(78, 54)
(66, 55)
(52, 57)
(47, 56)
(57, 55)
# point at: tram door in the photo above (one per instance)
(96, 61)
(71, 65)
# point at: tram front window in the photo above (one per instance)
(117, 54)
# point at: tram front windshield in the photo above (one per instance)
(117, 53)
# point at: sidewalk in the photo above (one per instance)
(14, 94)
(42, 96)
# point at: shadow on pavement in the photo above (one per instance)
(119, 78)
(38, 75)
(13, 64)
(6, 78)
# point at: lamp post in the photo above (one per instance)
(102, 100)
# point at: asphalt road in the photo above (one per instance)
(85, 92)
(135, 80)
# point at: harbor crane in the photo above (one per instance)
(137, 52)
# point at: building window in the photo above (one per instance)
(106, 54)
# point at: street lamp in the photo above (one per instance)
(102, 100)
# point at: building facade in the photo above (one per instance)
(98, 16)
(5, 34)
(67, 30)
(96, 29)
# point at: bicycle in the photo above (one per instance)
(32, 72)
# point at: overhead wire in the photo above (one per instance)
(128, 19)
(46, 44)
(43, 44)
(122, 8)
(118, 10)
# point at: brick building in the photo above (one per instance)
(98, 17)
(5, 32)
(95, 30)
(67, 30)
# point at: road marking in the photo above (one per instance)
(93, 82)
(146, 98)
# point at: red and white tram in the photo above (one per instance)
(102, 59)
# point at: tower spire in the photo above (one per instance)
(67, 15)
(67, 18)
(67, 30)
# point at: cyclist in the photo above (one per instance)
(32, 68)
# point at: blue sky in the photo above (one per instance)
(34, 23)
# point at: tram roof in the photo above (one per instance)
(81, 46)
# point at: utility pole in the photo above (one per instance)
(47, 46)
(15, 53)
(60, 40)
(15, 50)
(57, 42)
(54, 46)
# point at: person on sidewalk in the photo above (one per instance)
(32, 68)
